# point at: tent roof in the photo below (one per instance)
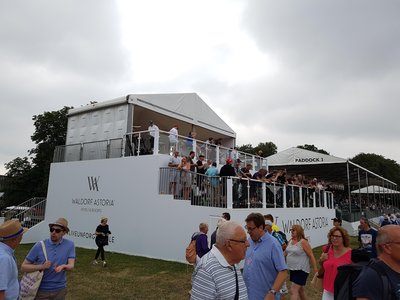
(298, 156)
(165, 110)
(375, 189)
(188, 107)
(321, 166)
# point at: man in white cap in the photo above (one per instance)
(11, 233)
(60, 258)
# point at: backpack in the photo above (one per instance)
(283, 235)
(190, 252)
(347, 275)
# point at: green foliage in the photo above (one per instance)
(30, 179)
(313, 148)
(267, 149)
(378, 164)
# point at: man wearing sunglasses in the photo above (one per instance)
(60, 258)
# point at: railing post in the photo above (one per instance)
(229, 202)
(284, 196)
(264, 195)
(314, 199)
(108, 149)
(156, 147)
(81, 152)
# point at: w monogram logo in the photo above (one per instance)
(93, 181)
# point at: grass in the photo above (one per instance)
(134, 277)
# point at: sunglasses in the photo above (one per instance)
(57, 230)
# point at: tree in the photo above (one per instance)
(248, 148)
(30, 179)
(313, 148)
(267, 149)
(378, 164)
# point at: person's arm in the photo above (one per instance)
(66, 267)
(28, 267)
(2, 295)
(307, 249)
(279, 280)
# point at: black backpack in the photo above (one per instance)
(347, 275)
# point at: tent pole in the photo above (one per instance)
(348, 188)
(359, 189)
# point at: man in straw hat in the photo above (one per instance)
(61, 258)
(11, 233)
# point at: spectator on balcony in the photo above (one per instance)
(201, 171)
(186, 176)
(173, 163)
(154, 132)
(173, 137)
(189, 140)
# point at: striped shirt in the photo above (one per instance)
(214, 278)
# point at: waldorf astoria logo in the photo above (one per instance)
(93, 183)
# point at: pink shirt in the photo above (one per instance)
(330, 266)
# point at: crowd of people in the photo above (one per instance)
(268, 259)
(190, 177)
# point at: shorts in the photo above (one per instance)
(298, 277)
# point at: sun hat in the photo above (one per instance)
(62, 222)
(11, 229)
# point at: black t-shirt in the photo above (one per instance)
(200, 170)
(227, 170)
(369, 284)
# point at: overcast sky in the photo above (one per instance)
(291, 72)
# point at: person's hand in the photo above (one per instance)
(46, 265)
(324, 257)
(59, 268)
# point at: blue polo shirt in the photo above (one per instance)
(58, 254)
(8, 273)
(264, 259)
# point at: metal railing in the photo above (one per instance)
(235, 192)
(142, 143)
(90, 150)
(29, 213)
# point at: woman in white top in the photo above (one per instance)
(298, 255)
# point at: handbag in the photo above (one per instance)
(30, 282)
(317, 283)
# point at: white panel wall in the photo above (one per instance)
(143, 222)
(101, 124)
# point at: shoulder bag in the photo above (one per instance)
(318, 280)
(30, 282)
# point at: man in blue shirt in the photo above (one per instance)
(264, 266)
(11, 233)
(60, 258)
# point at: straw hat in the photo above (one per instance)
(11, 229)
(62, 222)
